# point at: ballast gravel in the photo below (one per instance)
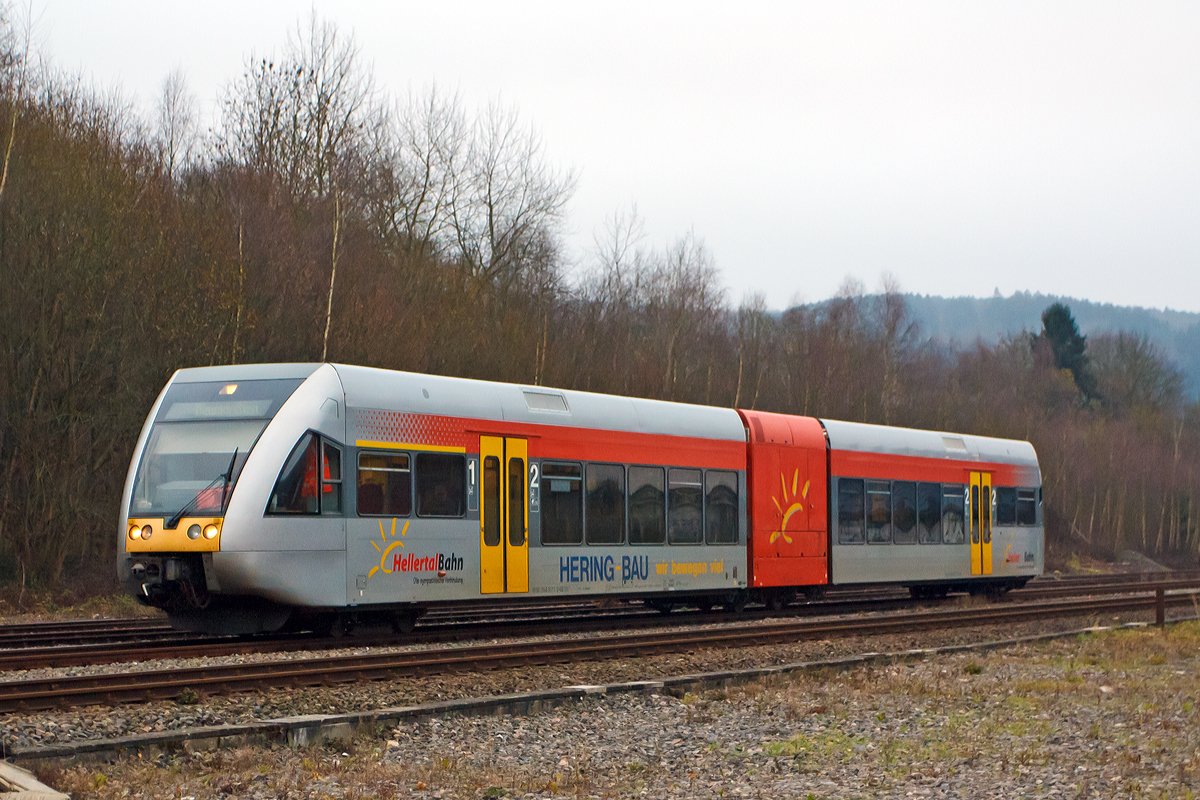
(102, 722)
(1106, 715)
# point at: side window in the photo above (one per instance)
(851, 498)
(721, 507)
(929, 513)
(1026, 507)
(384, 485)
(647, 506)
(1006, 505)
(605, 508)
(685, 507)
(296, 488)
(904, 512)
(562, 504)
(879, 512)
(441, 484)
(953, 514)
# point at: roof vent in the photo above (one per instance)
(954, 443)
(545, 401)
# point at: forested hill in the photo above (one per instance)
(959, 321)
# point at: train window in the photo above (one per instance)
(384, 485)
(1026, 507)
(295, 490)
(904, 512)
(605, 508)
(721, 507)
(929, 513)
(685, 507)
(331, 479)
(879, 512)
(491, 501)
(953, 514)
(851, 499)
(1006, 505)
(441, 485)
(562, 505)
(647, 506)
(974, 513)
(516, 502)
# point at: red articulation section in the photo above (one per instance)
(788, 502)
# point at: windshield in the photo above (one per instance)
(196, 432)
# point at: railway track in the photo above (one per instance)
(131, 687)
(113, 641)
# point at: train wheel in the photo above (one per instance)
(736, 602)
(661, 606)
(404, 622)
(779, 599)
(813, 593)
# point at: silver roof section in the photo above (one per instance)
(245, 372)
(927, 444)
(370, 388)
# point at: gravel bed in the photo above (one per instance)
(104, 722)
(1116, 714)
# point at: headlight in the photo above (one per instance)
(135, 532)
(210, 531)
(146, 531)
(194, 532)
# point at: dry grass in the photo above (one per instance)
(1104, 715)
(39, 606)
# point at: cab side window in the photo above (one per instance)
(311, 479)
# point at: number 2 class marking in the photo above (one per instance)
(533, 476)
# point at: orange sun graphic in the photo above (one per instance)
(784, 516)
(383, 552)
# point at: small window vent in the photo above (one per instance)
(954, 443)
(545, 401)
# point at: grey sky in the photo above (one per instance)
(962, 147)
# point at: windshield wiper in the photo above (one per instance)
(224, 478)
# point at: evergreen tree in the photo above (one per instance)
(1061, 333)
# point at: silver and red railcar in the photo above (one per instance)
(261, 496)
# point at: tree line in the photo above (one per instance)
(321, 219)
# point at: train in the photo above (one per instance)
(266, 497)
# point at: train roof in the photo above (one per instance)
(857, 436)
(372, 388)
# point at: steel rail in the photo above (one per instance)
(186, 645)
(129, 687)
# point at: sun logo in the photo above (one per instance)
(383, 552)
(795, 506)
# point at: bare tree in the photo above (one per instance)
(178, 120)
(506, 198)
(301, 116)
(14, 66)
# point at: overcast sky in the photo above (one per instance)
(962, 147)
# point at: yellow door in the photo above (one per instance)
(981, 523)
(503, 515)
(516, 543)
